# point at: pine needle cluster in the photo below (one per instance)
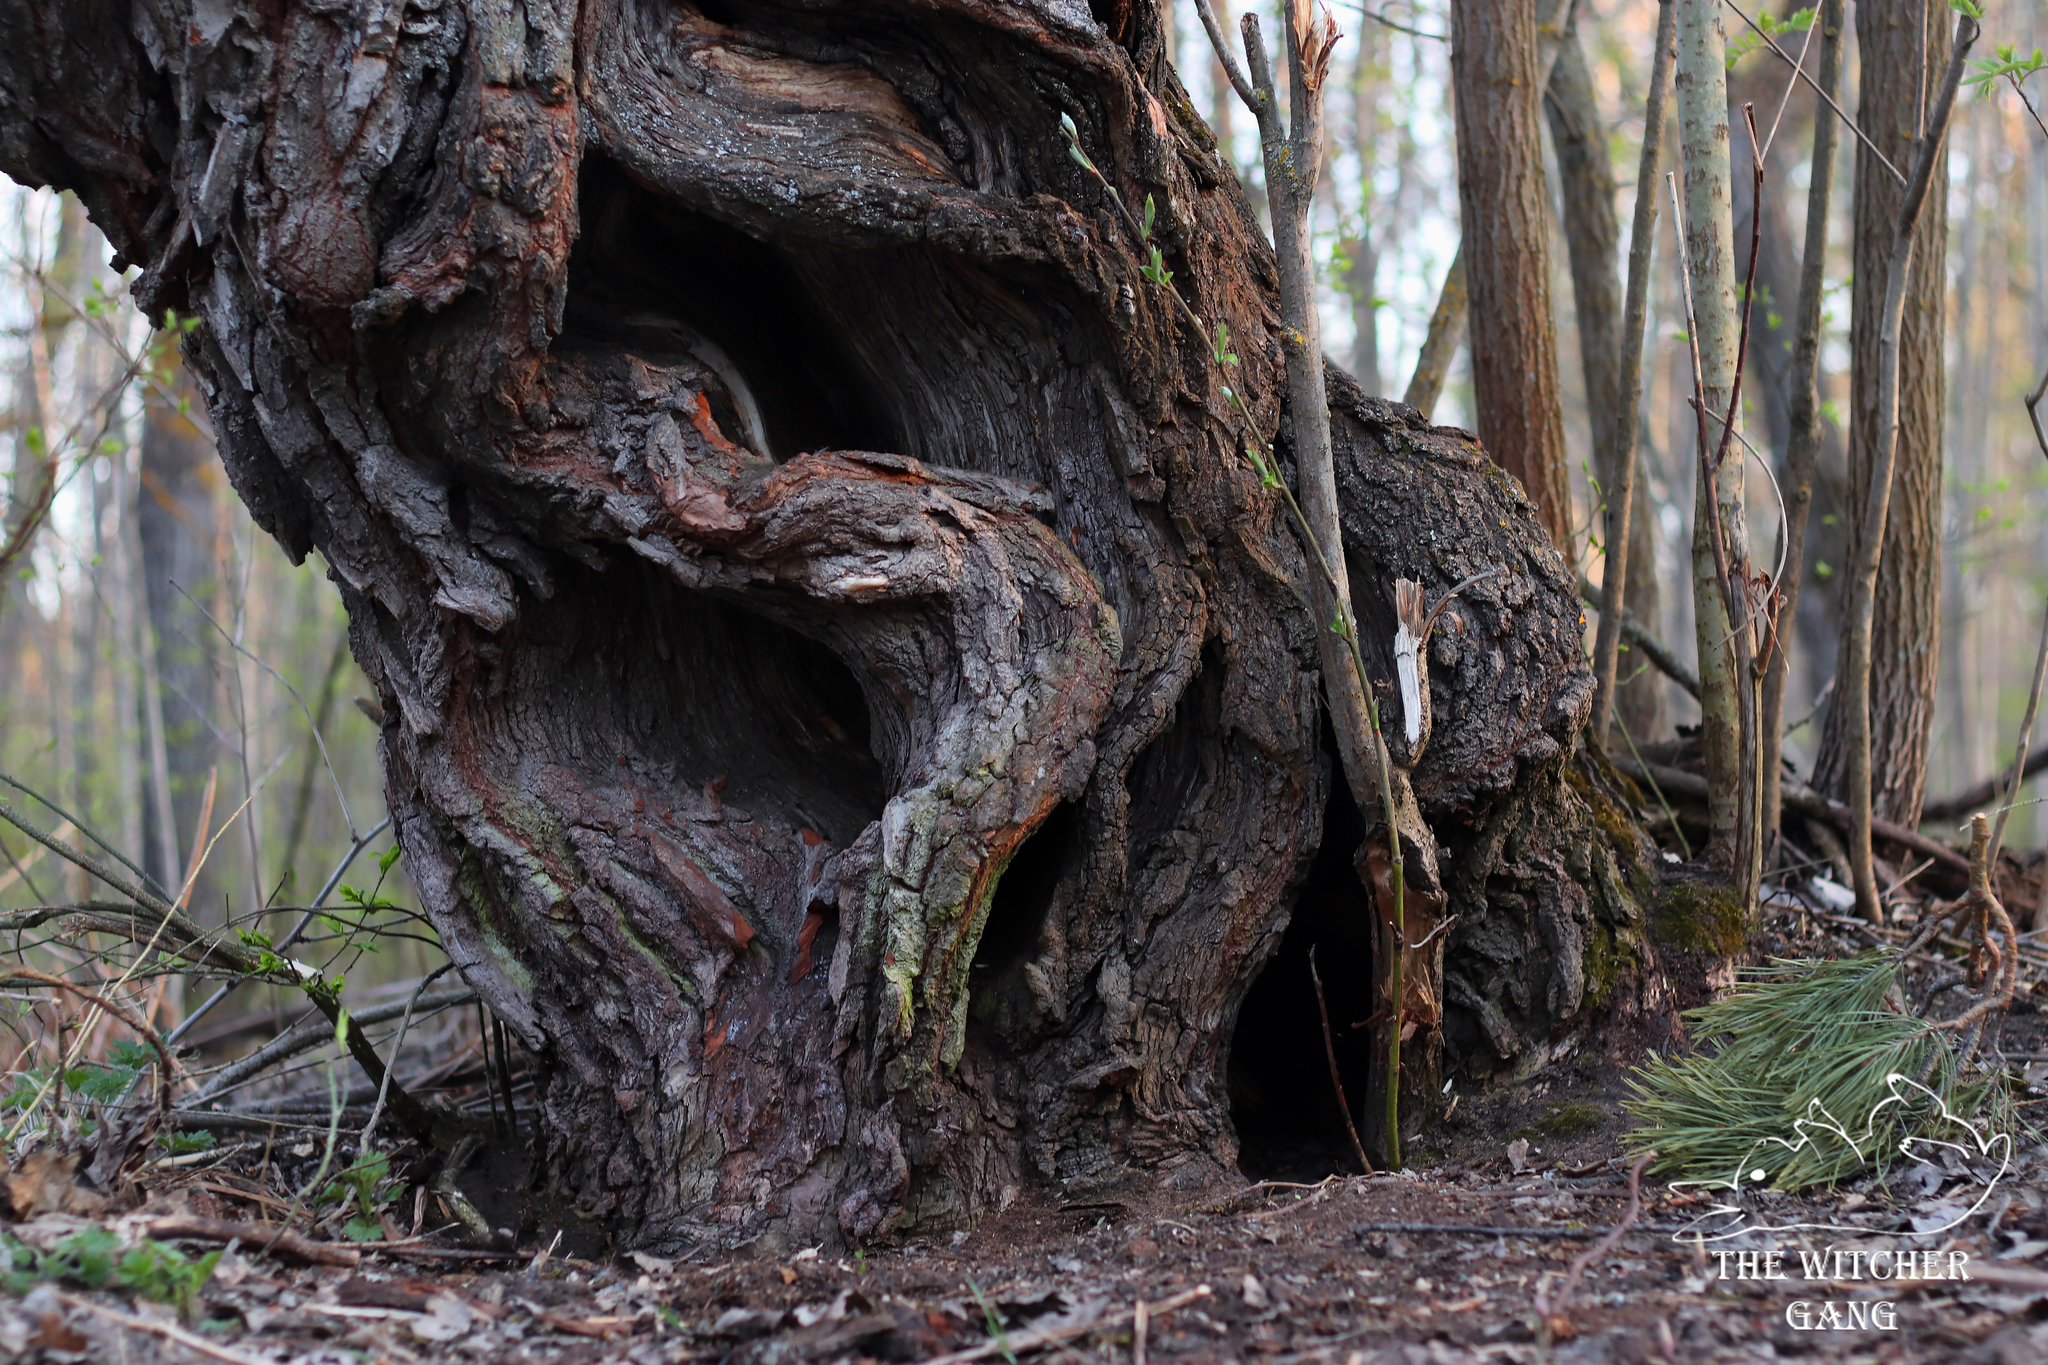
(1798, 1047)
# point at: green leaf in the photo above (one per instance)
(87, 1256)
(163, 1274)
(1150, 213)
(130, 1053)
(389, 860)
(1074, 143)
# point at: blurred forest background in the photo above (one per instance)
(152, 639)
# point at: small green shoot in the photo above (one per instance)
(1749, 41)
(163, 1274)
(994, 1321)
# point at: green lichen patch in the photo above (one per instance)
(1699, 917)
(1571, 1120)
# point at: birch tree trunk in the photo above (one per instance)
(1700, 80)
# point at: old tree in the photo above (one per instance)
(849, 707)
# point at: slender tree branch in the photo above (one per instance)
(1772, 43)
(1336, 1080)
(1804, 448)
(1622, 461)
(1231, 69)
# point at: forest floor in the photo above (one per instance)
(1442, 1263)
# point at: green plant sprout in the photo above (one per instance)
(1740, 46)
(2006, 64)
(92, 1257)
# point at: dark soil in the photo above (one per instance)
(1442, 1263)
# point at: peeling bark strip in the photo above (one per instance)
(849, 709)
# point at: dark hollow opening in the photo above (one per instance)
(998, 996)
(1289, 1126)
(697, 689)
(654, 278)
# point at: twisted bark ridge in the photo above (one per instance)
(849, 708)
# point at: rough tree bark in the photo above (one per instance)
(850, 709)
(1900, 45)
(1504, 215)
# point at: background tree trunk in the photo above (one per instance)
(178, 523)
(1901, 45)
(1360, 256)
(849, 708)
(1504, 214)
(1585, 168)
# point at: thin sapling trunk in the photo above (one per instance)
(1622, 462)
(1708, 227)
(1292, 151)
(1804, 447)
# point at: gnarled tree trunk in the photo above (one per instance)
(850, 709)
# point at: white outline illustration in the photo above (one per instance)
(1818, 1120)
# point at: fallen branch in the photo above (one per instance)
(1551, 1321)
(1983, 794)
(1472, 1229)
(256, 1236)
(1807, 802)
(169, 1331)
(1022, 1342)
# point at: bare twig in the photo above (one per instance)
(1639, 637)
(384, 1086)
(1021, 1342)
(1622, 460)
(1550, 1314)
(1379, 16)
(168, 1331)
(1983, 793)
(1330, 1052)
(1772, 43)
(283, 1241)
(355, 851)
(1474, 1230)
